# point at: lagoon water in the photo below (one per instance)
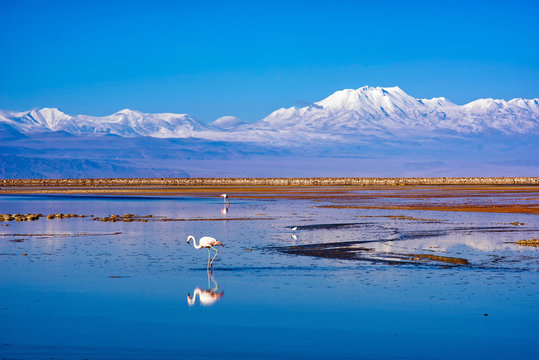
(101, 290)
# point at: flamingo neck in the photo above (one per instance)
(191, 300)
(197, 246)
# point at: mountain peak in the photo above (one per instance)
(53, 110)
(391, 89)
(49, 112)
(127, 111)
(227, 122)
(366, 97)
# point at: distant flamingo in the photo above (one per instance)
(225, 198)
(206, 297)
(206, 242)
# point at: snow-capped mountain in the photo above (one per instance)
(370, 131)
(391, 112)
(125, 123)
(347, 115)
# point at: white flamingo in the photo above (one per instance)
(225, 198)
(206, 242)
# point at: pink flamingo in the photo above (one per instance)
(206, 242)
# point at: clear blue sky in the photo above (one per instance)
(249, 58)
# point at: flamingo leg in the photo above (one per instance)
(209, 255)
(216, 252)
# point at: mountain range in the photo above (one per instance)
(369, 125)
(370, 111)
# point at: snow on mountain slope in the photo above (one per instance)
(390, 112)
(34, 120)
(348, 115)
(227, 122)
(125, 123)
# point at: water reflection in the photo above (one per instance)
(206, 297)
(224, 210)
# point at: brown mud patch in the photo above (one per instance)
(499, 208)
(353, 251)
(400, 217)
(444, 259)
(529, 242)
(153, 218)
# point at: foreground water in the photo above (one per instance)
(82, 289)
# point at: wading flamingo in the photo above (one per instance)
(206, 297)
(206, 242)
(225, 198)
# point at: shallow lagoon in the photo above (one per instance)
(98, 290)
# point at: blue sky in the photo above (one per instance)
(247, 59)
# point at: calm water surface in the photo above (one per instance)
(98, 290)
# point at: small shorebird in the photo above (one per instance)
(225, 198)
(294, 228)
(206, 242)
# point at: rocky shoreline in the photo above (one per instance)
(327, 181)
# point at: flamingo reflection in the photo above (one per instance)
(206, 297)
(224, 210)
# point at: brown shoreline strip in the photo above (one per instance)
(327, 181)
(490, 208)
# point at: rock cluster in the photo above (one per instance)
(20, 217)
(530, 242)
(123, 218)
(63, 216)
(34, 217)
